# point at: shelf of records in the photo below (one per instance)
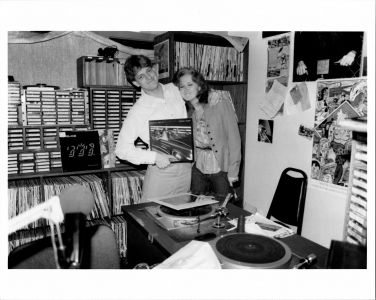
(101, 71)
(216, 63)
(46, 105)
(110, 192)
(117, 223)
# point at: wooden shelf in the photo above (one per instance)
(59, 172)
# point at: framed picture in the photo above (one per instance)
(161, 54)
(173, 137)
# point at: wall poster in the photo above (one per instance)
(278, 61)
(327, 55)
(336, 100)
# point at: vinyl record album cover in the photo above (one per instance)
(183, 201)
(173, 137)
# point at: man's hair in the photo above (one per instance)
(197, 78)
(133, 64)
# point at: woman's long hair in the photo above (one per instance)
(197, 78)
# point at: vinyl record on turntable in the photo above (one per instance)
(244, 250)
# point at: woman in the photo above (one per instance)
(157, 102)
(216, 135)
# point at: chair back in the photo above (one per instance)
(289, 198)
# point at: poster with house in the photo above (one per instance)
(336, 100)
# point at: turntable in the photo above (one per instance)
(250, 251)
(149, 241)
(188, 216)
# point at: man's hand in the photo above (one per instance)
(347, 59)
(163, 160)
(301, 68)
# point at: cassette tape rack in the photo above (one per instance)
(36, 118)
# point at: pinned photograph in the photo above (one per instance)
(306, 132)
(265, 131)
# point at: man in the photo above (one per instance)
(157, 102)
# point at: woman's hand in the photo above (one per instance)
(231, 180)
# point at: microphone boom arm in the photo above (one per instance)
(50, 209)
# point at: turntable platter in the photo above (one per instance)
(243, 250)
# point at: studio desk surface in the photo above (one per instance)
(148, 242)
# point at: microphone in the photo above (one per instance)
(76, 204)
(71, 206)
(71, 256)
(75, 198)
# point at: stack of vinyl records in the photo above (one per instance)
(214, 62)
(126, 188)
(22, 237)
(14, 103)
(23, 195)
(119, 226)
(54, 186)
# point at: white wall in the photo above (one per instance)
(324, 211)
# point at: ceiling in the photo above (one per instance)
(147, 36)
